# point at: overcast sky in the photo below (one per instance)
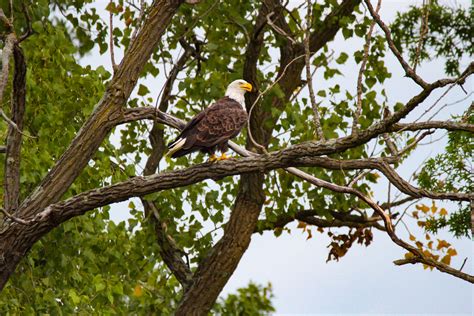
(365, 280)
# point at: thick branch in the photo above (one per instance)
(14, 136)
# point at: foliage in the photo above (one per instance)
(449, 36)
(452, 170)
(252, 300)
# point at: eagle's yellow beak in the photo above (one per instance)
(246, 86)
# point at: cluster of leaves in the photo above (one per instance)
(449, 36)
(341, 243)
(252, 300)
(443, 249)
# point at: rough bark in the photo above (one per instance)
(14, 136)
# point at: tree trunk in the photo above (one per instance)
(214, 271)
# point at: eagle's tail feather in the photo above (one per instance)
(175, 146)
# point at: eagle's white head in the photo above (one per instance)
(236, 90)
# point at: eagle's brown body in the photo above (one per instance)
(211, 129)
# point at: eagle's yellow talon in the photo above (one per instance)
(213, 158)
(223, 157)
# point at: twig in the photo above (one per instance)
(278, 29)
(368, 38)
(358, 177)
(13, 124)
(408, 70)
(111, 39)
(29, 29)
(412, 145)
(15, 219)
(11, 12)
(423, 31)
(309, 77)
(258, 98)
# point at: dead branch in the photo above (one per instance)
(423, 31)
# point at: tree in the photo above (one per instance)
(304, 160)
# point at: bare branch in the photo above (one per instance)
(438, 265)
(309, 77)
(111, 39)
(279, 30)
(423, 31)
(447, 125)
(368, 38)
(14, 218)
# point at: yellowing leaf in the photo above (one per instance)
(301, 225)
(138, 291)
(452, 252)
(442, 244)
(409, 255)
(427, 236)
(433, 208)
(443, 212)
(412, 238)
(415, 214)
(423, 208)
(446, 259)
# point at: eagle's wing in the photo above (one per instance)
(223, 121)
(218, 123)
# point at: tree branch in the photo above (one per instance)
(6, 53)
(388, 35)
(368, 38)
(309, 76)
(14, 136)
(311, 217)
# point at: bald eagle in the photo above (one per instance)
(211, 129)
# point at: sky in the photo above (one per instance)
(364, 281)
